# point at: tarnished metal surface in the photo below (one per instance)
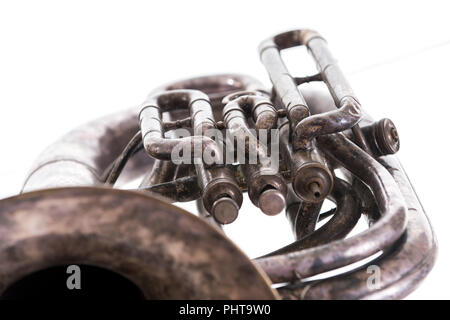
(336, 254)
(167, 252)
(402, 267)
(306, 127)
(217, 87)
(266, 188)
(81, 156)
(312, 180)
(347, 213)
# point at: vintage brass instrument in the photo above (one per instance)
(69, 213)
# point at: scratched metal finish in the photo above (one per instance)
(402, 268)
(81, 156)
(167, 252)
(345, 216)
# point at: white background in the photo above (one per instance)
(64, 63)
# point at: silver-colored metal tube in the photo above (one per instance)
(383, 234)
(266, 188)
(81, 156)
(306, 127)
(152, 131)
(402, 267)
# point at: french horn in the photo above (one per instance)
(75, 209)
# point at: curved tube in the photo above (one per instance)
(216, 86)
(283, 83)
(266, 188)
(306, 127)
(312, 181)
(348, 115)
(162, 171)
(81, 156)
(347, 214)
(383, 234)
(166, 252)
(117, 166)
(302, 216)
(257, 105)
(224, 206)
(152, 131)
(401, 268)
(179, 190)
(306, 219)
